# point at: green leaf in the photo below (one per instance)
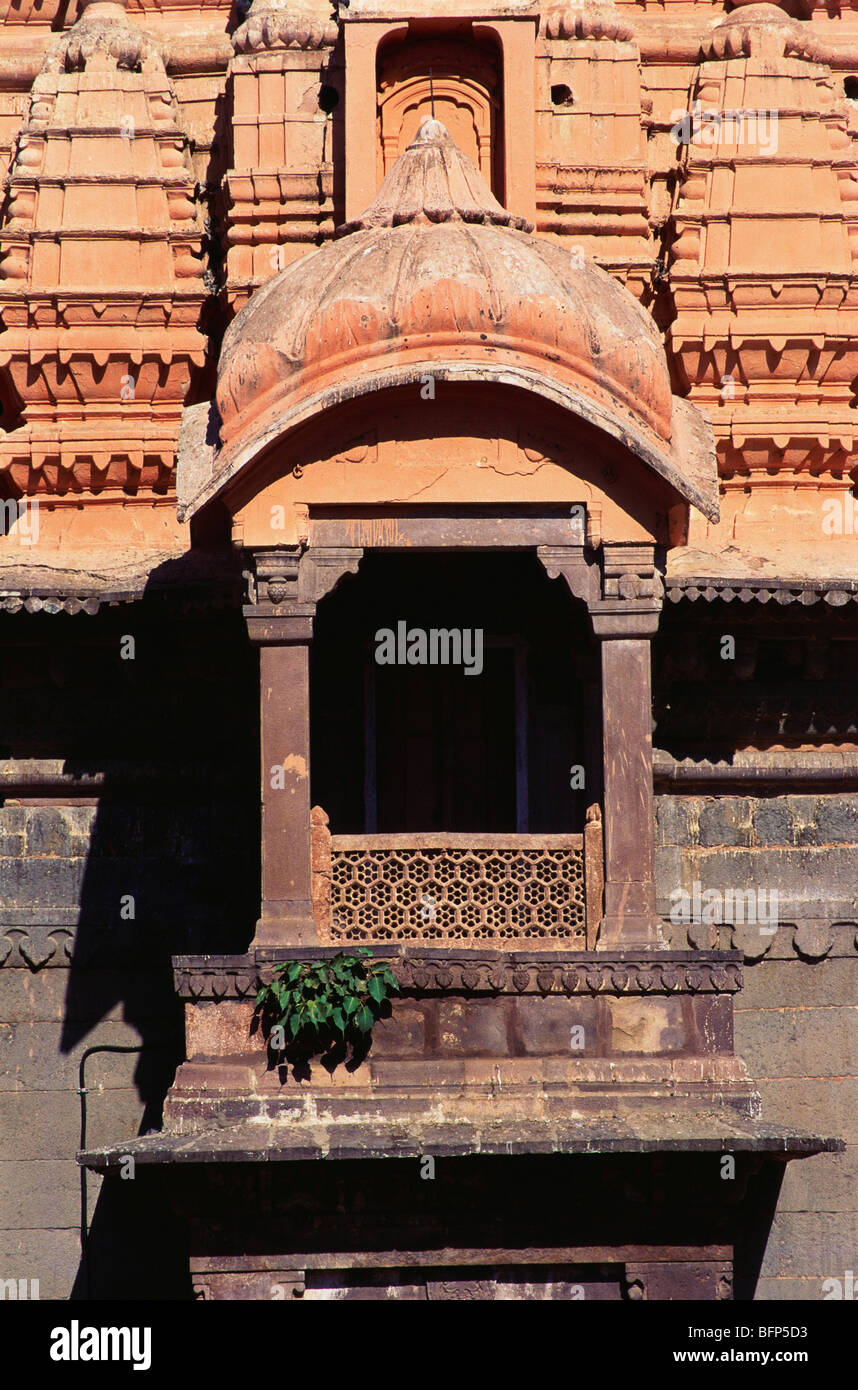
(351, 1004)
(377, 990)
(339, 1020)
(364, 1019)
(263, 994)
(294, 1024)
(293, 971)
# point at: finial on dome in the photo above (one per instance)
(430, 129)
(434, 181)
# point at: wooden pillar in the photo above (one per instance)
(630, 912)
(625, 619)
(624, 603)
(283, 639)
(286, 584)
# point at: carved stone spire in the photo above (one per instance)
(434, 181)
(103, 36)
(101, 282)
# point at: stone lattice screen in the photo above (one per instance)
(504, 891)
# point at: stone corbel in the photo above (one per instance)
(572, 563)
(293, 575)
(323, 567)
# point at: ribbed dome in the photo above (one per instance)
(436, 270)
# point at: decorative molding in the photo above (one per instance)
(791, 772)
(762, 30)
(809, 939)
(215, 978)
(835, 592)
(587, 19)
(283, 24)
(35, 947)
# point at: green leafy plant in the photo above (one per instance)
(319, 1003)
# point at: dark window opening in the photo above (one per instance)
(426, 747)
(561, 95)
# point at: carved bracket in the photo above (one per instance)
(580, 571)
(294, 574)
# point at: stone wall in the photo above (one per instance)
(797, 1016)
(128, 832)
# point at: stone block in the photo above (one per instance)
(674, 822)
(39, 884)
(33, 1057)
(48, 833)
(545, 1026)
(837, 821)
(810, 881)
(772, 823)
(471, 1028)
(726, 821)
(646, 1024)
(812, 1244)
(39, 1193)
(221, 1029)
(776, 983)
(84, 996)
(45, 1125)
(791, 1290)
(819, 1105)
(49, 1255)
(828, 1182)
(799, 1041)
(401, 1035)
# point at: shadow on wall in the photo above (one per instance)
(159, 701)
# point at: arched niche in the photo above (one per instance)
(455, 79)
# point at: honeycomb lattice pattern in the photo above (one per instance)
(502, 896)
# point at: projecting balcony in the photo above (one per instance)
(501, 891)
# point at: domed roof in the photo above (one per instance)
(436, 276)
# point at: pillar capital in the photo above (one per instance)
(281, 625)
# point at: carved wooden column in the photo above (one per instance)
(624, 605)
(625, 619)
(286, 586)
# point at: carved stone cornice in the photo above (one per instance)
(212, 978)
(761, 30)
(587, 19)
(283, 24)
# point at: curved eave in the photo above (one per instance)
(692, 441)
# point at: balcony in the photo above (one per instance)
(501, 891)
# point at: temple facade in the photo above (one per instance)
(427, 458)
